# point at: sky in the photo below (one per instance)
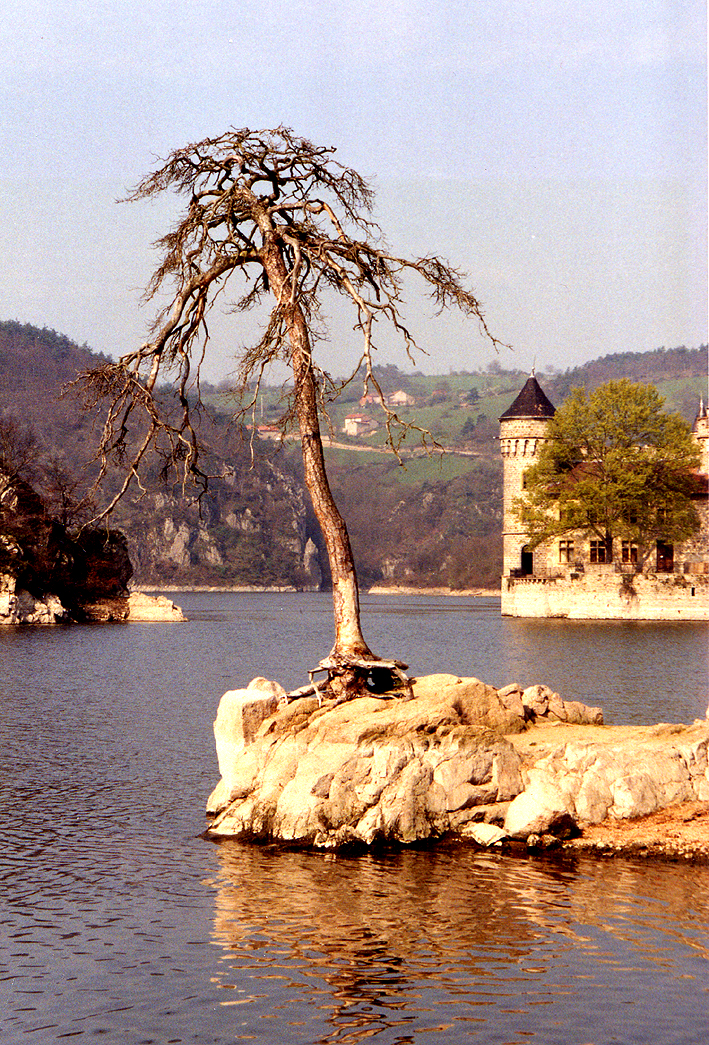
(554, 151)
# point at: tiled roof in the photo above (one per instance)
(531, 402)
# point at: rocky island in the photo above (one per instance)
(49, 575)
(455, 758)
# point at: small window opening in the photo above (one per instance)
(566, 551)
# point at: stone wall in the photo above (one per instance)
(607, 595)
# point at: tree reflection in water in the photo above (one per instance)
(463, 945)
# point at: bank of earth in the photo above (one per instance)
(507, 769)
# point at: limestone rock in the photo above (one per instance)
(367, 771)
(18, 606)
(393, 770)
(484, 834)
(539, 704)
(152, 608)
(540, 809)
(592, 780)
(239, 716)
(474, 702)
(542, 704)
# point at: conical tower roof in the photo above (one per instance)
(531, 402)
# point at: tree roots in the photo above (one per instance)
(350, 677)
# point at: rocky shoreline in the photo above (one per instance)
(470, 593)
(51, 576)
(509, 770)
(377, 589)
(18, 607)
(676, 833)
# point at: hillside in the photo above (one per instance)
(435, 521)
(679, 374)
(253, 527)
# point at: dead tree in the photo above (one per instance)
(294, 223)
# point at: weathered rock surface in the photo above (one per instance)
(372, 770)
(152, 608)
(617, 773)
(540, 704)
(18, 606)
(136, 606)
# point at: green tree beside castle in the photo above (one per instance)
(616, 468)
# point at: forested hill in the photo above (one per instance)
(35, 366)
(436, 522)
(663, 366)
(253, 526)
(35, 362)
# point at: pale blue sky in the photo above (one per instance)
(556, 151)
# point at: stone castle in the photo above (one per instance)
(568, 576)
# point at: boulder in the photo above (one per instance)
(542, 704)
(538, 705)
(540, 809)
(239, 716)
(484, 834)
(366, 771)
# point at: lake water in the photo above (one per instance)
(122, 925)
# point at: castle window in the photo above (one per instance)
(598, 551)
(566, 551)
(665, 557)
(629, 552)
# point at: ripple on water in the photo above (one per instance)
(119, 923)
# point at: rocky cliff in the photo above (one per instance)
(49, 576)
(253, 526)
(250, 528)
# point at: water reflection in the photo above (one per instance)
(111, 933)
(467, 946)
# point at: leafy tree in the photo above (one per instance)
(615, 466)
(294, 224)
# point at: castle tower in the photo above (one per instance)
(700, 433)
(523, 429)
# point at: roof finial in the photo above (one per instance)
(534, 367)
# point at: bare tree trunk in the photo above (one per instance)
(349, 641)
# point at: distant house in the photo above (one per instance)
(358, 424)
(369, 399)
(268, 431)
(400, 398)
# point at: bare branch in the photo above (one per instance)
(295, 222)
